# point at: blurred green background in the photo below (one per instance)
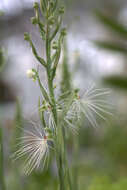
(96, 53)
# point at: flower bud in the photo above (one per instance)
(63, 32)
(76, 95)
(26, 36)
(34, 20)
(76, 90)
(51, 20)
(36, 5)
(55, 45)
(61, 10)
(30, 73)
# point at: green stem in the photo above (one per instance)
(44, 93)
(52, 97)
(75, 168)
(2, 183)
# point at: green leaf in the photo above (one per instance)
(112, 24)
(116, 82)
(111, 46)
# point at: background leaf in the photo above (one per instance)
(116, 81)
(111, 46)
(112, 24)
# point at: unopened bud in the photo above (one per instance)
(51, 20)
(30, 73)
(34, 20)
(64, 32)
(61, 10)
(36, 5)
(26, 36)
(55, 45)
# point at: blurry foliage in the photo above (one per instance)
(112, 46)
(119, 82)
(119, 46)
(105, 183)
(112, 24)
(1, 60)
(114, 144)
(6, 93)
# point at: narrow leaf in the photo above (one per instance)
(111, 46)
(116, 82)
(112, 24)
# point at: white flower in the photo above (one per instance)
(92, 104)
(34, 148)
(30, 73)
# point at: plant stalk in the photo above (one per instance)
(54, 111)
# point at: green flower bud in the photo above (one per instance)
(63, 32)
(26, 36)
(61, 10)
(34, 20)
(51, 20)
(76, 95)
(36, 5)
(76, 90)
(55, 45)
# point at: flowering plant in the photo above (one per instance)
(58, 114)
